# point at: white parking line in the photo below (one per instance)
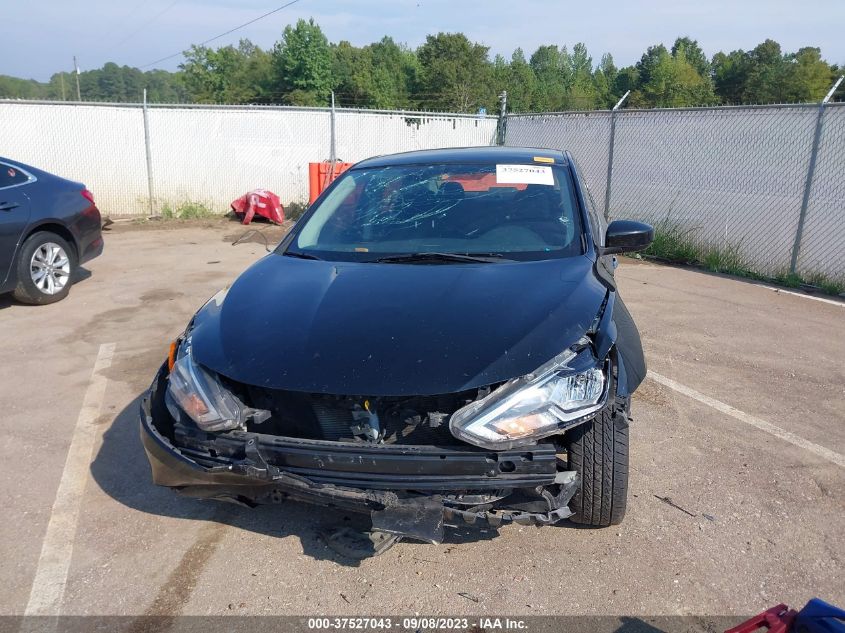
(727, 409)
(832, 302)
(48, 587)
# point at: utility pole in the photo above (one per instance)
(76, 67)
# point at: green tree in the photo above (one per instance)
(627, 78)
(730, 73)
(550, 89)
(649, 63)
(766, 74)
(166, 87)
(395, 74)
(693, 54)
(352, 69)
(227, 74)
(109, 81)
(520, 83)
(454, 73)
(15, 88)
(670, 81)
(500, 73)
(581, 93)
(302, 63)
(451, 73)
(808, 77)
(604, 79)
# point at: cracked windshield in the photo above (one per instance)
(513, 211)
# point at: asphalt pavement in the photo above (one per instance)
(737, 492)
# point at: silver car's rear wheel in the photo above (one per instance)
(50, 268)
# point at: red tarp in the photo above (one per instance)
(264, 203)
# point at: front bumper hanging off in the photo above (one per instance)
(407, 490)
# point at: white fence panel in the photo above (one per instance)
(101, 146)
(211, 154)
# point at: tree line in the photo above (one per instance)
(449, 72)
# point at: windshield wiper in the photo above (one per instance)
(466, 258)
(300, 255)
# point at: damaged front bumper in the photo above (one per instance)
(407, 490)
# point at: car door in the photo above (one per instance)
(14, 214)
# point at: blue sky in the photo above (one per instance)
(37, 39)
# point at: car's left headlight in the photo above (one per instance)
(559, 394)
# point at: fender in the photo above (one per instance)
(616, 334)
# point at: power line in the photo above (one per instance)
(143, 26)
(217, 37)
(125, 18)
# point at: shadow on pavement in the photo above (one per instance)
(121, 470)
(7, 300)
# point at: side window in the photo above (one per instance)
(10, 175)
(597, 222)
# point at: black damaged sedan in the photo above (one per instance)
(438, 341)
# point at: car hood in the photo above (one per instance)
(393, 329)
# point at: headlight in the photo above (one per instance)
(199, 394)
(559, 394)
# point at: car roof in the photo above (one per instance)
(35, 171)
(486, 154)
(41, 174)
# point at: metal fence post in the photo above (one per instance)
(808, 184)
(332, 135)
(149, 154)
(610, 154)
(503, 118)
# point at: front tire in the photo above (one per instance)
(598, 451)
(45, 267)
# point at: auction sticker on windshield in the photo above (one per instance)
(524, 175)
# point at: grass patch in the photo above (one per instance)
(829, 286)
(294, 210)
(790, 280)
(186, 211)
(675, 245)
(725, 260)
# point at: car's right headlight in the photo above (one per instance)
(561, 393)
(200, 394)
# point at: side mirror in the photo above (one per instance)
(626, 236)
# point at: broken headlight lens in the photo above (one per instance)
(559, 394)
(202, 397)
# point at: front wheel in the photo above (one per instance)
(45, 267)
(598, 451)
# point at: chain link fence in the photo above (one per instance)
(747, 183)
(210, 155)
(730, 182)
